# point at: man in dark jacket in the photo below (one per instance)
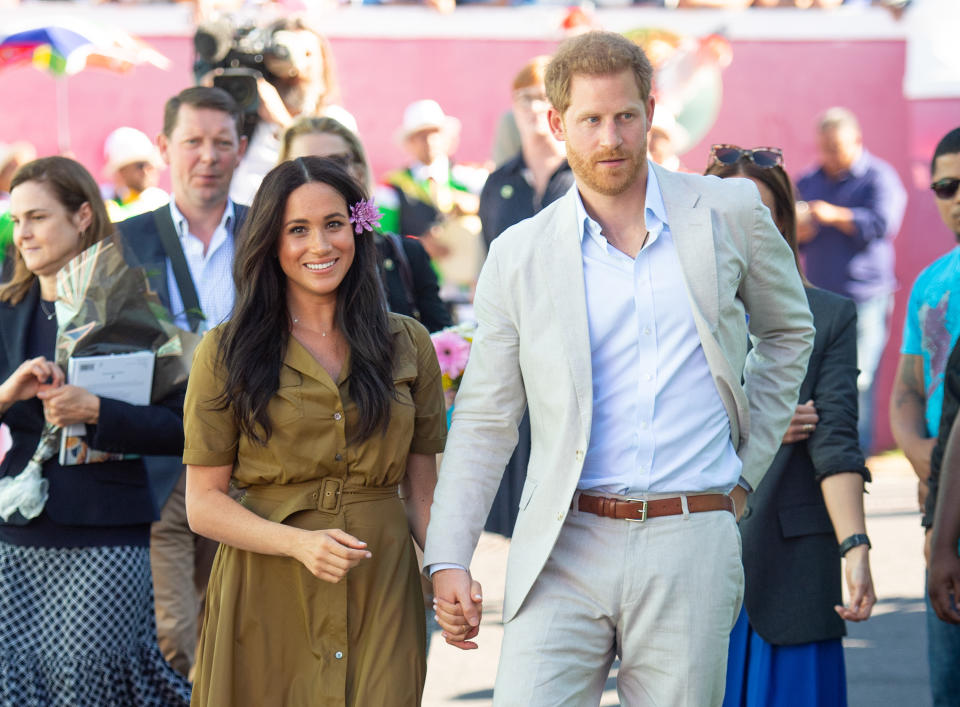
(187, 249)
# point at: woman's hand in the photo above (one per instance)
(803, 423)
(330, 554)
(30, 378)
(70, 405)
(859, 585)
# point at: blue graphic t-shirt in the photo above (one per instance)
(932, 326)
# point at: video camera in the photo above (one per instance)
(240, 55)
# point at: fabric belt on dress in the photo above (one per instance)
(639, 510)
(279, 501)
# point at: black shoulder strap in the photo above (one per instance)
(181, 271)
(405, 271)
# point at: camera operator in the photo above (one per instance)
(295, 77)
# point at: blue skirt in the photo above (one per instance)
(77, 630)
(760, 674)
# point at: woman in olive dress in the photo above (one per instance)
(327, 413)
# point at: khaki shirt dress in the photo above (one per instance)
(273, 634)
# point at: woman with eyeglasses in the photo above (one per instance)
(408, 278)
(807, 513)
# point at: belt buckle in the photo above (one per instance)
(642, 511)
(331, 494)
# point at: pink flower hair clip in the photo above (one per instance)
(365, 216)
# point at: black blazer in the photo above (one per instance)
(790, 557)
(434, 314)
(107, 494)
(142, 239)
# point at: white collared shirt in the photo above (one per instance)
(659, 425)
(212, 271)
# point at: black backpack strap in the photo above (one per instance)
(181, 271)
(404, 270)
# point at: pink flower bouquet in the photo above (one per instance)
(453, 351)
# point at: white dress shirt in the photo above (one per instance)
(212, 272)
(659, 425)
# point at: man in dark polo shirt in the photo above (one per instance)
(852, 207)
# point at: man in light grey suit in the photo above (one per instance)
(619, 316)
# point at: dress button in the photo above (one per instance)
(338, 655)
(649, 377)
(337, 416)
(338, 457)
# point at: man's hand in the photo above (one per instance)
(802, 424)
(739, 496)
(859, 585)
(458, 602)
(943, 581)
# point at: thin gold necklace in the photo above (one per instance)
(296, 321)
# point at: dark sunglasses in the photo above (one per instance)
(946, 188)
(764, 157)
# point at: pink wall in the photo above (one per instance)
(773, 93)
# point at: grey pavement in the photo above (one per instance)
(885, 656)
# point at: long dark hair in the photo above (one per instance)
(778, 182)
(254, 340)
(72, 186)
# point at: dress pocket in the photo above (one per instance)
(287, 403)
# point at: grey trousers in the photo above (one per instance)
(661, 595)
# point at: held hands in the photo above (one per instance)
(859, 585)
(330, 554)
(458, 602)
(803, 423)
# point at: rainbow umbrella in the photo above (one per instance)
(70, 46)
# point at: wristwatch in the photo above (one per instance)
(852, 542)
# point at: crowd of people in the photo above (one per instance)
(667, 405)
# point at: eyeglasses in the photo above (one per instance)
(344, 159)
(763, 157)
(530, 96)
(946, 188)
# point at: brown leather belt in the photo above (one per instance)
(639, 511)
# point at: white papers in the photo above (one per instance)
(126, 377)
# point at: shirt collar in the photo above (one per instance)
(654, 212)
(183, 228)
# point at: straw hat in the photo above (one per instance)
(423, 115)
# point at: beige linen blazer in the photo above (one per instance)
(532, 348)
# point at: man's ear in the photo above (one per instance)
(242, 148)
(556, 124)
(163, 144)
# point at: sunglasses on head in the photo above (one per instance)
(763, 157)
(946, 188)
